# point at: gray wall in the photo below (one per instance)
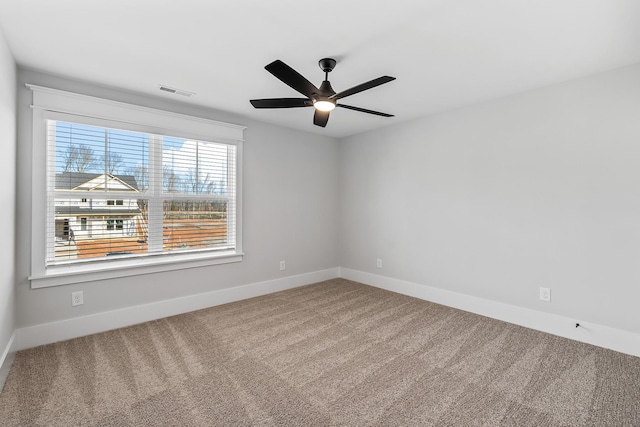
(496, 200)
(7, 192)
(290, 213)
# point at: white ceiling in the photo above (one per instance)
(444, 53)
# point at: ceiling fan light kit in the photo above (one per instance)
(324, 105)
(323, 99)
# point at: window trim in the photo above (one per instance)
(62, 105)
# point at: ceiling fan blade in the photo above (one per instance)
(364, 110)
(281, 103)
(292, 78)
(320, 118)
(364, 86)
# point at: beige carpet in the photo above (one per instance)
(332, 353)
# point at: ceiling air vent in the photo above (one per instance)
(176, 91)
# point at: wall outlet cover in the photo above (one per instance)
(77, 298)
(545, 294)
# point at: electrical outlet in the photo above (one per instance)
(379, 263)
(545, 294)
(283, 266)
(77, 298)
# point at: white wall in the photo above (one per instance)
(496, 200)
(7, 192)
(290, 198)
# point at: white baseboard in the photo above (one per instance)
(6, 359)
(33, 336)
(602, 336)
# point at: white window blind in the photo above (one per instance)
(115, 194)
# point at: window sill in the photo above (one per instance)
(66, 275)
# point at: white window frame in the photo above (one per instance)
(62, 105)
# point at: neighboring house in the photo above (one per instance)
(85, 218)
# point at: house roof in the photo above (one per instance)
(81, 180)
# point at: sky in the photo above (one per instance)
(83, 148)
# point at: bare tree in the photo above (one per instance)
(69, 158)
(86, 159)
(209, 185)
(79, 158)
(197, 184)
(190, 183)
(113, 162)
(141, 175)
(170, 180)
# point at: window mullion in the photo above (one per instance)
(155, 193)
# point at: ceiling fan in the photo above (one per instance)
(323, 99)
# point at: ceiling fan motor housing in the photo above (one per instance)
(326, 89)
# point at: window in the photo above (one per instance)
(119, 195)
(180, 193)
(115, 224)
